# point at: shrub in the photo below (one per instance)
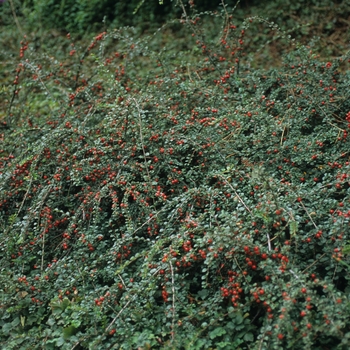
(152, 201)
(84, 16)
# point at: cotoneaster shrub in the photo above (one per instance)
(149, 200)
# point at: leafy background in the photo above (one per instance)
(176, 177)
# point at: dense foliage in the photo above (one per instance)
(149, 200)
(327, 19)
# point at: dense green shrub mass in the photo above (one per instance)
(200, 205)
(322, 18)
(86, 15)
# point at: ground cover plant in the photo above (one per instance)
(196, 204)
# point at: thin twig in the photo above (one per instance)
(336, 126)
(150, 219)
(125, 306)
(240, 199)
(294, 274)
(15, 18)
(141, 136)
(227, 20)
(41, 80)
(268, 241)
(314, 262)
(282, 136)
(122, 281)
(43, 249)
(115, 318)
(308, 215)
(173, 299)
(207, 52)
(239, 266)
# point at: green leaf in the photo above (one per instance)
(217, 332)
(248, 337)
(346, 249)
(238, 319)
(60, 341)
(203, 293)
(50, 322)
(293, 227)
(69, 331)
(6, 328)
